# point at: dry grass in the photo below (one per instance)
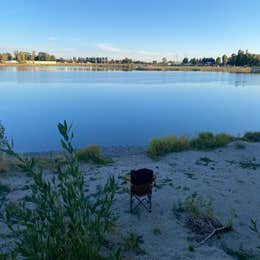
(5, 165)
(144, 67)
(92, 153)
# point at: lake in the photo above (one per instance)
(123, 108)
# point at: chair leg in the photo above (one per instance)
(150, 202)
(131, 202)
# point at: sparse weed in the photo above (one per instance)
(133, 241)
(197, 214)
(204, 161)
(229, 224)
(253, 225)
(249, 164)
(241, 253)
(191, 248)
(157, 231)
(240, 146)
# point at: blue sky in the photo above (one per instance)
(145, 29)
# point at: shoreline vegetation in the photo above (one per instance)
(204, 141)
(157, 148)
(138, 67)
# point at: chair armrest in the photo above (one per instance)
(128, 179)
(154, 180)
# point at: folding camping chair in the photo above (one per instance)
(141, 184)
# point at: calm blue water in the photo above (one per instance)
(123, 108)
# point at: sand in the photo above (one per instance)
(233, 190)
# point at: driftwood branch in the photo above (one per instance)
(215, 231)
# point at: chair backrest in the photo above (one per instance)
(141, 181)
(141, 176)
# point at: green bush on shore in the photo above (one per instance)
(208, 141)
(252, 136)
(168, 144)
(91, 153)
(204, 141)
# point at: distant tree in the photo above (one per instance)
(218, 61)
(33, 55)
(240, 59)
(27, 55)
(164, 60)
(185, 61)
(19, 56)
(43, 56)
(208, 61)
(224, 59)
(53, 58)
(4, 57)
(194, 61)
(126, 61)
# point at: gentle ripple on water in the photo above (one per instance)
(123, 108)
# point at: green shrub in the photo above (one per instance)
(204, 141)
(223, 139)
(91, 153)
(168, 144)
(252, 136)
(62, 221)
(208, 141)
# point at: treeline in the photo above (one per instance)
(102, 60)
(240, 59)
(22, 56)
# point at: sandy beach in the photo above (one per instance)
(229, 177)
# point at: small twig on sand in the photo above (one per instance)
(215, 231)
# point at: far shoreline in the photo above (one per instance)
(139, 67)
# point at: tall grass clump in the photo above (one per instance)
(252, 136)
(168, 144)
(61, 220)
(204, 141)
(91, 153)
(208, 141)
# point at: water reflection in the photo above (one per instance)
(123, 108)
